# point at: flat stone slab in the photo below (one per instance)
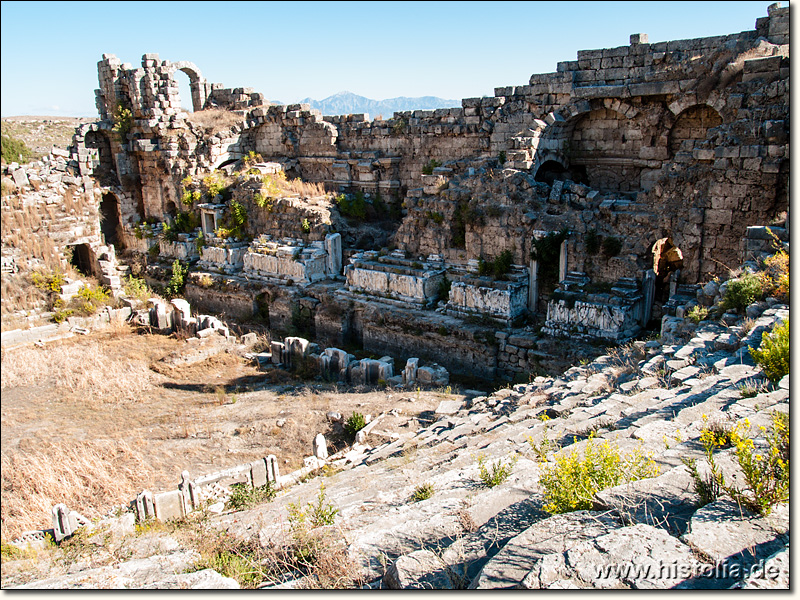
(420, 570)
(556, 534)
(667, 501)
(448, 407)
(725, 532)
(137, 573)
(635, 557)
(772, 575)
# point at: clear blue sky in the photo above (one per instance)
(293, 50)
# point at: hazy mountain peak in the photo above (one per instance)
(344, 103)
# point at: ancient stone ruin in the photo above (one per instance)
(585, 203)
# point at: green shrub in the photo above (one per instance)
(766, 472)
(352, 206)
(697, 313)
(443, 290)
(497, 268)
(137, 288)
(502, 157)
(14, 150)
(435, 216)
(177, 282)
(612, 246)
(186, 222)
(354, 424)
(546, 250)
(422, 492)
(572, 481)
(497, 473)
(776, 276)
(742, 292)
(773, 354)
(316, 514)
(430, 166)
(243, 495)
(305, 225)
(88, 300)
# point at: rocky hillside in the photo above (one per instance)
(468, 500)
(40, 134)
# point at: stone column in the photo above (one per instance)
(649, 291)
(533, 286)
(562, 262)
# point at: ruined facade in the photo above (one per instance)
(646, 163)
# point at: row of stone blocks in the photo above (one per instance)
(338, 365)
(205, 490)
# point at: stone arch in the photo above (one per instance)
(607, 143)
(557, 141)
(666, 259)
(199, 87)
(110, 220)
(691, 125)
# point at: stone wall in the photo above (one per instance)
(692, 131)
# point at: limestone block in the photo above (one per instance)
(724, 531)
(333, 249)
(433, 375)
(277, 349)
(169, 505)
(410, 371)
(182, 310)
(419, 570)
(258, 473)
(320, 447)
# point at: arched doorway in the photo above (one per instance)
(551, 171)
(667, 259)
(82, 258)
(110, 220)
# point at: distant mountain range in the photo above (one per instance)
(347, 103)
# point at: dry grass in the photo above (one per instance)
(19, 293)
(94, 474)
(304, 188)
(85, 369)
(213, 120)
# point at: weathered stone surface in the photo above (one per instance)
(420, 570)
(667, 501)
(509, 567)
(636, 557)
(724, 531)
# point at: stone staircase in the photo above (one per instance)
(653, 396)
(468, 535)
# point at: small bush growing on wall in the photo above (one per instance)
(123, 122)
(611, 246)
(430, 166)
(593, 242)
